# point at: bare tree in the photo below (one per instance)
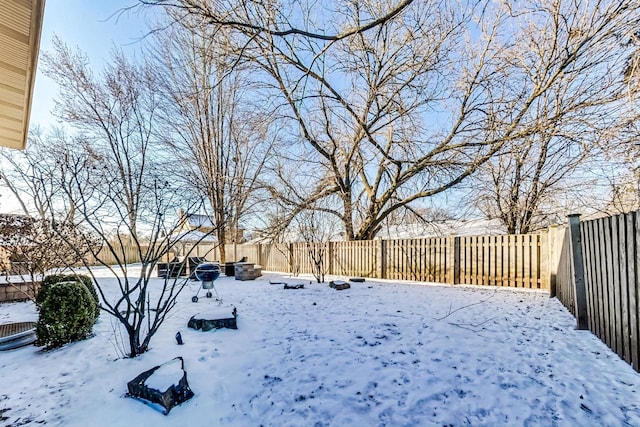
(116, 111)
(30, 175)
(573, 119)
(138, 304)
(218, 134)
(521, 186)
(34, 247)
(119, 193)
(400, 114)
(391, 103)
(272, 19)
(316, 229)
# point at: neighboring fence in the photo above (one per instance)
(18, 291)
(508, 260)
(611, 261)
(128, 254)
(521, 261)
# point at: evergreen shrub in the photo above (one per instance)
(85, 280)
(66, 313)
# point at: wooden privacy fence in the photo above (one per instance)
(128, 254)
(610, 278)
(505, 260)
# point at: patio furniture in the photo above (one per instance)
(247, 271)
(229, 267)
(175, 268)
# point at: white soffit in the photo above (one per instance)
(20, 28)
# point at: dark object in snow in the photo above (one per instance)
(179, 338)
(172, 269)
(357, 279)
(173, 396)
(298, 286)
(229, 267)
(207, 322)
(339, 285)
(207, 273)
(586, 408)
(229, 270)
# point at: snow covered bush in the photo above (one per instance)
(66, 313)
(85, 280)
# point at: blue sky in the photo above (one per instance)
(91, 26)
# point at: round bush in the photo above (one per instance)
(57, 278)
(66, 313)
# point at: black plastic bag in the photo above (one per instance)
(173, 396)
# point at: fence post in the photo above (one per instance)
(382, 259)
(578, 272)
(456, 260)
(330, 251)
(453, 260)
(291, 266)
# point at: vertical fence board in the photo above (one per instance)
(617, 291)
(597, 278)
(498, 261)
(634, 288)
(610, 297)
(588, 279)
(623, 262)
(486, 261)
(512, 260)
(526, 260)
(539, 259)
(602, 267)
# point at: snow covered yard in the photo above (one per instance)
(378, 354)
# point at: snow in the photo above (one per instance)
(378, 354)
(167, 374)
(191, 236)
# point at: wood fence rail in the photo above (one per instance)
(520, 261)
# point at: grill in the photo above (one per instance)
(207, 273)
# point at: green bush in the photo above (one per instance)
(85, 280)
(67, 313)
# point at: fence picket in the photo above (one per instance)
(615, 283)
(624, 286)
(585, 231)
(634, 287)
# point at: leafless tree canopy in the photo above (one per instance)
(217, 133)
(110, 171)
(405, 110)
(277, 18)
